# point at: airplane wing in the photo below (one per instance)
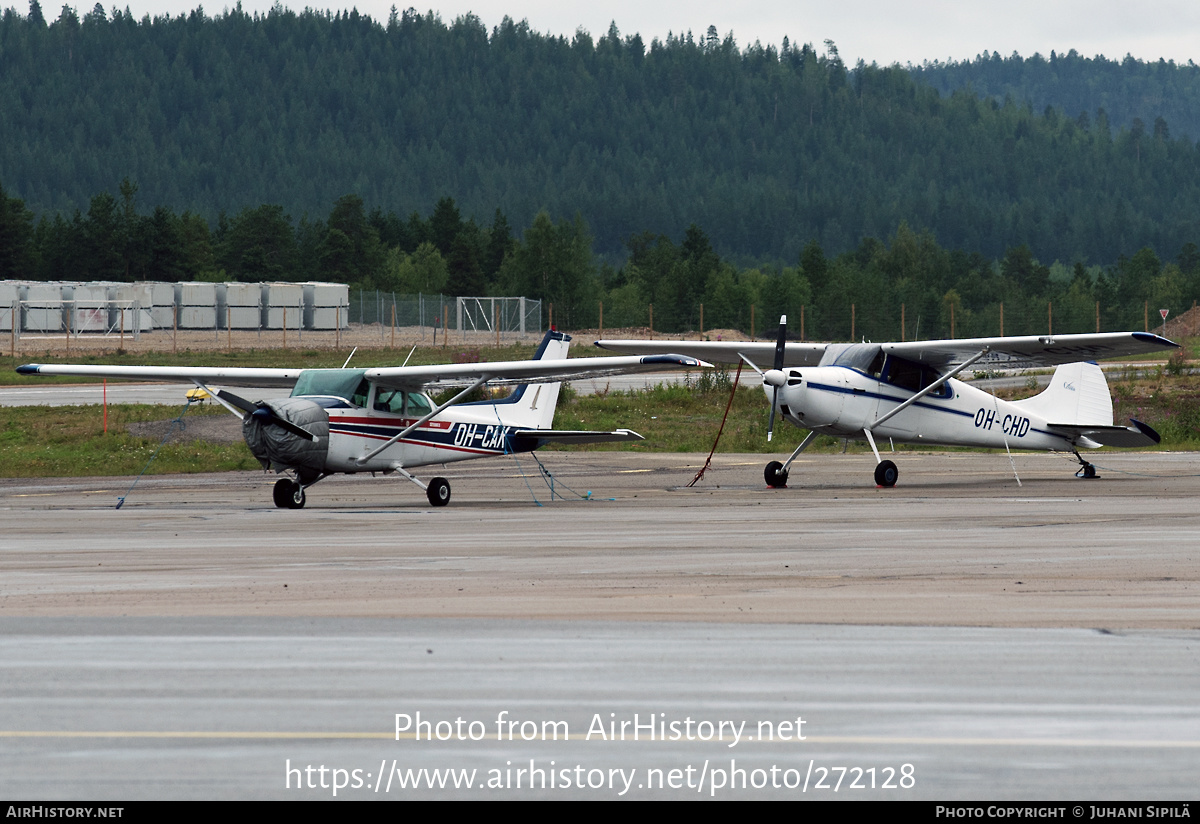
(528, 371)
(227, 376)
(1030, 351)
(759, 352)
(411, 378)
(1009, 352)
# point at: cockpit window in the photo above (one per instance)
(348, 384)
(864, 357)
(399, 402)
(913, 376)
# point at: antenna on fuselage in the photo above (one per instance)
(410, 354)
(347, 363)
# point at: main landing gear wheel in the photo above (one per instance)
(886, 474)
(775, 475)
(288, 494)
(438, 492)
(1087, 471)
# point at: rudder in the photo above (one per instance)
(1077, 394)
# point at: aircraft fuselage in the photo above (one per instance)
(842, 402)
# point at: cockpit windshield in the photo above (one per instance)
(863, 357)
(348, 384)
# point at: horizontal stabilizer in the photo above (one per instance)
(1125, 437)
(573, 437)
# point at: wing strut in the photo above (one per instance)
(423, 420)
(933, 387)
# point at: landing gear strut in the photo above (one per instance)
(776, 473)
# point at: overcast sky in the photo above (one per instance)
(883, 31)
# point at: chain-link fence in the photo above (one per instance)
(504, 317)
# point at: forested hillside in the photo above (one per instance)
(765, 149)
(1159, 97)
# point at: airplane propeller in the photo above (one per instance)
(775, 376)
(264, 414)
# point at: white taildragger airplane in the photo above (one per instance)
(381, 420)
(907, 391)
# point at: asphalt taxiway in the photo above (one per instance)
(1005, 641)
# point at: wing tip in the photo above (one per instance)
(673, 360)
(1147, 430)
(1157, 340)
(29, 369)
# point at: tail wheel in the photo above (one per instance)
(438, 492)
(775, 475)
(886, 474)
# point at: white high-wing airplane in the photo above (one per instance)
(907, 391)
(381, 420)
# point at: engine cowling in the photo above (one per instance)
(808, 406)
(277, 448)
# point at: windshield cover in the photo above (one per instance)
(347, 384)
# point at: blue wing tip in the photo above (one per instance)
(29, 369)
(1146, 430)
(677, 360)
(1150, 337)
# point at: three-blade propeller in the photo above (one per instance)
(264, 414)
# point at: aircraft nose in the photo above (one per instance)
(774, 377)
(290, 433)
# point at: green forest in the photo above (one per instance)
(415, 155)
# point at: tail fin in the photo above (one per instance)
(1077, 394)
(531, 405)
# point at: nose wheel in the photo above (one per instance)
(288, 494)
